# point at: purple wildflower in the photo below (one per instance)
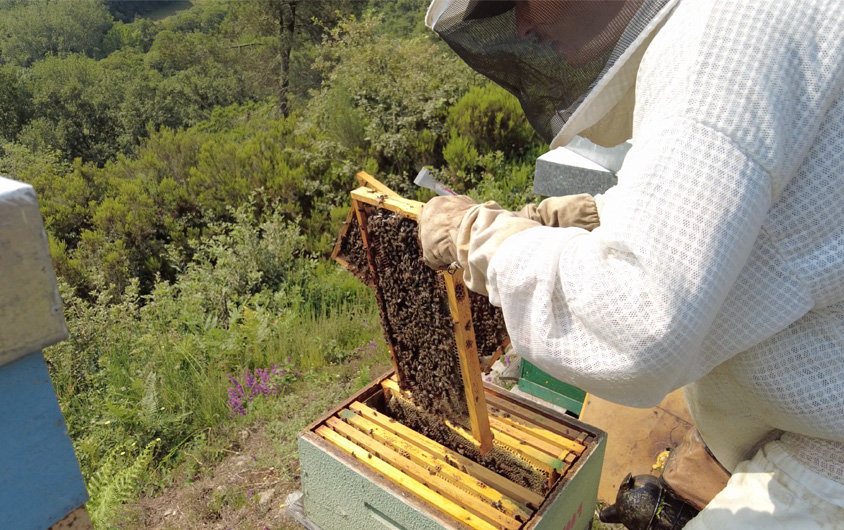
(258, 382)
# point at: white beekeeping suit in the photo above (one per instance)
(718, 265)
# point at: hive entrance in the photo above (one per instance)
(440, 335)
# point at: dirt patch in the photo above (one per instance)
(240, 492)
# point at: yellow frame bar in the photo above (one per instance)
(407, 483)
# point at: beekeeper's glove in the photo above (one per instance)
(453, 229)
(438, 224)
(568, 210)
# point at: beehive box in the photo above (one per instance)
(429, 446)
(363, 469)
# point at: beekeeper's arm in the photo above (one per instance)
(621, 311)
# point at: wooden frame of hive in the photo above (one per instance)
(374, 194)
(452, 490)
(380, 192)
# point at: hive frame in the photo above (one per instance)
(368, 181)
(375, 194)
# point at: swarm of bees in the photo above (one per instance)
(488, 321)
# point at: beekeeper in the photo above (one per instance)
(718, 265)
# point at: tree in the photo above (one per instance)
(14, 101)
(34, 30)
(389, 84)
(73, 102)
(294, 22)
(285, 15)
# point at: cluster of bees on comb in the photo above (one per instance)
(416, 317)
(414, 310)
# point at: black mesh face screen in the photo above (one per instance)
(548, 53)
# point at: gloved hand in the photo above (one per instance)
(455, 229)
(438, 224)
(569, 210)
(452, 227)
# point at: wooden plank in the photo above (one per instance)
(541, 433)
(364, 394)
(531, 416)
(503, 484)
(499, 426)
(544, 455)
(467, 349)
(405, 482)
(404, 207)
(343, 263)
(549, 463)
(441, 467)
(537, 458)
(361, 214)
(393, 385)
(429, 478)
(369, 181)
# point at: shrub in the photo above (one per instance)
(492, 120)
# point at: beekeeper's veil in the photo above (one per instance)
(561, 94)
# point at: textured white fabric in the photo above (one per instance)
(719, 262)
(774, 492)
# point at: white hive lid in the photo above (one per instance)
(30, 307)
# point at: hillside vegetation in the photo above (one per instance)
(193, 164)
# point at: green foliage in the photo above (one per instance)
(460, 154)
(14, 99)
(115, 482)
(129, 10)
(509, 184)
(168, 74)
(398, 90)
(155, 366)
(492, 120)
(205, 17)
(37, 29)
(139, 35)
(71, 97)
(401, 18)
(172, 52)
(66, 192)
